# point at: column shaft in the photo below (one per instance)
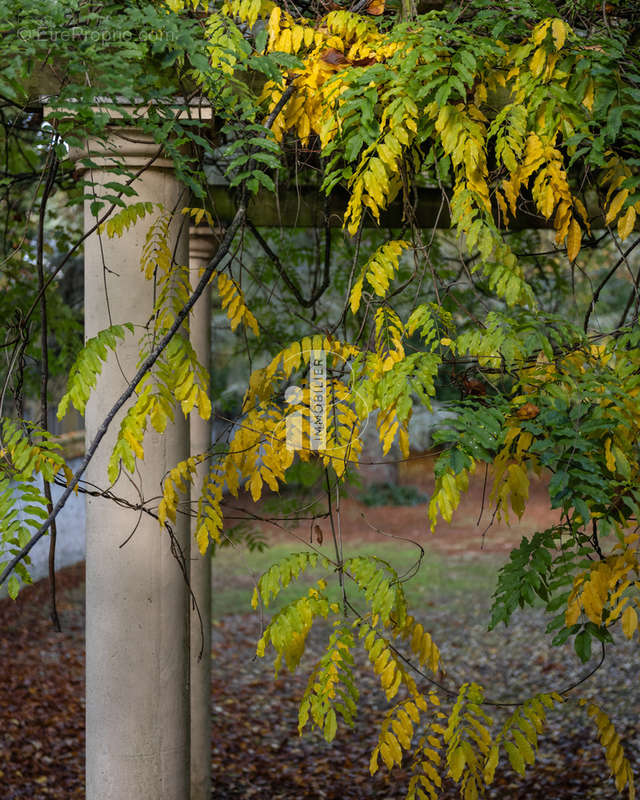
(137, 643)
(200, 251)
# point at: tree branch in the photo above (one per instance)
(146, 365)
(150, 360)
(291, 285)
(606, 280)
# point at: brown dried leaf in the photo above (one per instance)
(334, 57)
(364, 62)
(528, 411)
(376, 7)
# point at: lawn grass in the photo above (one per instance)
(439, 579)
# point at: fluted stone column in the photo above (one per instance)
(201, 249)
(137, 644)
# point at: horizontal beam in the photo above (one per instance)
(306, 207)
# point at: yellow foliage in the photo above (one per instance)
(378, 271)
(606, 591)
(232, 300)
(446, 495)
(616, 759)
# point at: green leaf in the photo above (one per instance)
(330, 725)
(13, 586)
(515, 757)
(582, 645)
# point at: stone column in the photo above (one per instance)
(137, 643)
(201, 249)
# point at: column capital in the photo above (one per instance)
(202, 244)
(125, 144)
(126, 147)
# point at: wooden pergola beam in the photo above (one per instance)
(307, 207)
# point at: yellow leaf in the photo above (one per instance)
(373, 763)
(471, 790)
(297, 37)
(251, 322)
(158, 418)
(587, 100)
(202, 537)
(135, 444)
(524, 746)
(524, 442)
(457, 763)
(537, 62)
(381, 661)
(255, 485)
(572, 614)
(608, 455)
(390, 435)
(490, 766)
(387, 755)
(616, 205)
(356, 295)
(392, 690)
(162, 512)
(540, 31)
(559, 33)
(285, 41)
(190, 400)
(574, 238)
(629, 621)
(626, 223)
(403, 441)
(204, 404)
(548, 201)
(591, 603)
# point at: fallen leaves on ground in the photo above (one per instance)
(256, 750)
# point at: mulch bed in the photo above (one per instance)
(256, 750)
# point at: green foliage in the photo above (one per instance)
(289, 628)
(16, 528)
(509, 114)
(519, 734)
(378, 272)
(381, 587)
(391, 494)
(120, 222)
(280, 575)
(87, 367)
(26, 452)
(468, 740)
(331, 689)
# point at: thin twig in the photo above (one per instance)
(604, 282)
(337, 545)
